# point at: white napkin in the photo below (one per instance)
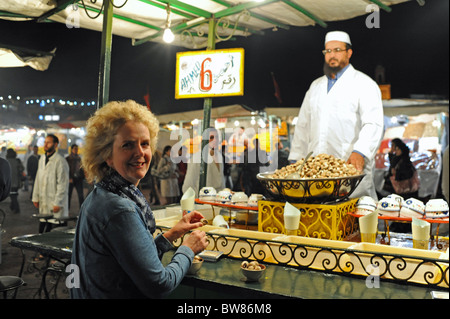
(187, 201)
(291, 217)
(420, 229)
(368, 224)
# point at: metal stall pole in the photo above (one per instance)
(207, 104)
(105, 55)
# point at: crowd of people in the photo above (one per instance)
(172, 173)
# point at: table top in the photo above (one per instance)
(57, 244)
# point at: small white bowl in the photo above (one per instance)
(195, 266)
(224, 197)
(412, 208)
(436, 208)
(388, 206)
(398, 198)
(252, 274)
(207, 193)
(365, 205)
(254, 198)
(239, 198)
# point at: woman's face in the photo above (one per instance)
(131, 153)
(396, 150)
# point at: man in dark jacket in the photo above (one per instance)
(5, 179)
(32, 166)
(76, 175)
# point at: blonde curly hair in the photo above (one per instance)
(102, 128)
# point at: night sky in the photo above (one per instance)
(412, 44)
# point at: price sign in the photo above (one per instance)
(209, 73)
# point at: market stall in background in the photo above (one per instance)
(424, 126)
(16, 137)
(238, 125)
(23, 137)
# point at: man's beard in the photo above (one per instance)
(50, 150)
(331, 71)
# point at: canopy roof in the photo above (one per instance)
(145, 20)
(11, 57)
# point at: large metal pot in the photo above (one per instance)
(319, 190)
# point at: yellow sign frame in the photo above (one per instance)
(211, 59)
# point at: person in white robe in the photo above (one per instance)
(51, 186)
(341, 114)
(214, 171)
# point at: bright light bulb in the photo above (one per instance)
(168, 36)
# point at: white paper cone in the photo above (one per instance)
(187, 201)
(368, 224)
(291, 217)
(420, 229)
(219, 221)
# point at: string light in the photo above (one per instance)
(168, 36)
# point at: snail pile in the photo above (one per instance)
(320, 166)
(253, 265)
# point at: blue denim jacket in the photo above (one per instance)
(117, 256)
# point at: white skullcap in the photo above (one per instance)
(338, 36)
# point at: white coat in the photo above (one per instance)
(214, 174)
(51, 187)
(348, 118)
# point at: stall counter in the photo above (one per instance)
(223, 279)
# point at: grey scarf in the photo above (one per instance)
(116, 184)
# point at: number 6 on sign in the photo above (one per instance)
(209, 73)
(205, 75)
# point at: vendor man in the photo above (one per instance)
(341, 114)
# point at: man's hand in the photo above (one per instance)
(357, 160)
(56, 209)
(36, 204)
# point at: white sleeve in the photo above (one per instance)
(62, 182)
(371, 115)
(192, 178)
(300, 141)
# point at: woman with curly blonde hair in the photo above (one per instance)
(102, 129)
(114, 247)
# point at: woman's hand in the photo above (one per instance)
(196, 241)
(189, 221)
